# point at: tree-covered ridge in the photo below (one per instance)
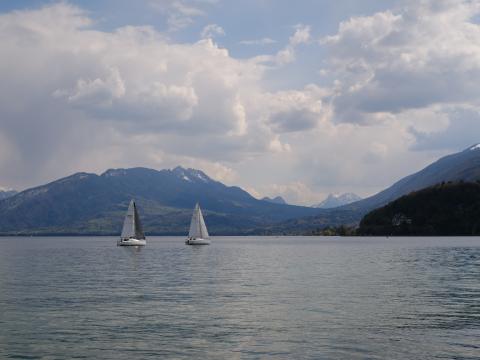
(441, 210)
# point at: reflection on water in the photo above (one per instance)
(134, 253)
(278, 298)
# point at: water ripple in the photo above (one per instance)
(268, 298)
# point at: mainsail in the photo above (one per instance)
(198, 230)
(132, 227)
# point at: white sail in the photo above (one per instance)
(203, 227)
(132, 227)
(198, 229)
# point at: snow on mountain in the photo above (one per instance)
(191, 174)
(95, 204)
(335, 200)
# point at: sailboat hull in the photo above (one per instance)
(131, 242)
(197, 242)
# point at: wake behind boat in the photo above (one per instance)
(198, 234)
(132, 232)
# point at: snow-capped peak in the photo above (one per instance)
(474, 147)
(190, 174)
(335, 200)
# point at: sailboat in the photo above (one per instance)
(198, 234)
(132, 232)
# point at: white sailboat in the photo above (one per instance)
(132, 232)
(198, 234)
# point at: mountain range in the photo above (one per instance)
(85, 203)
(461, 166)
(334, 200)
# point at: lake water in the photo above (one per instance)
(240, 298)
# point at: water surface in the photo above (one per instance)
(240, 298)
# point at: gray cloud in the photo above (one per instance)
(422, 54)
(294, 120)
(74, 98)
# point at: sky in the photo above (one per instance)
(299, 101)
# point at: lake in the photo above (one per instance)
(240, 298)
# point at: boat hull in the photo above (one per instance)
(197, 242)
(131, 242)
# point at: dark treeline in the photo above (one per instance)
(341, 230)
(441, 210)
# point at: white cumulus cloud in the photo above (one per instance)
(211, 31)
(394, 85)
(96, 99)
(413, 57)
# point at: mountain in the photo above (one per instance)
(86, 203)
(446, 209)
(6, 194)
(461, 166)
(333, 200)
(275, 200)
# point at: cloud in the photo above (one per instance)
(462, 130)
(73, 97)
(212, 30)
(296, 110)
(376, 152)
(416, 56)
(301, 35)
(110, 98)
(101, 92)
(287, 54)
(294, 120)
(277, 146)
(180, 13)
(296, 193)
(394, 85)
(262, 41)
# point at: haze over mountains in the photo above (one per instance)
(86, 203)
